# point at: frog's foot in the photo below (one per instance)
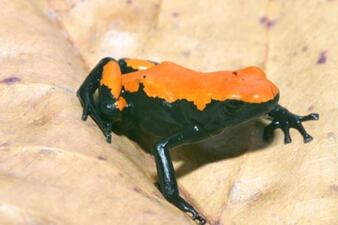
(285, 120)
(185, 206)
(106, 128)
(199, 219)
(89, 108)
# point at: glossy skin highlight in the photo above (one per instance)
(180, 106)
(139, 64)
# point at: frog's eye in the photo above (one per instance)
(233, 106)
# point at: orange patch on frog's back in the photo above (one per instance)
(172, 82)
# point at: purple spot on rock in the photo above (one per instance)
(322, 57)
(140, 191)
(100, 157)
(175, 14)
(218, 222)
(186, 53)
(148, 211)
(334, 188)
(266, 22)
(263, 19)
(5, 144)
(137, 189)
(310, 108)
(129, 2)
(10, 80)
(270, 23)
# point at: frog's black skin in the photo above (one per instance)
(177, 123)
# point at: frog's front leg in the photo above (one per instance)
(165, 169)
(86, 97)
(282, 118)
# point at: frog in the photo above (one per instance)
(180, 106)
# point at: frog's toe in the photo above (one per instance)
(86, 102)
(286, 131)
(311, 116)
(107, 130)
(108, 138)
(199, 219)
(308, 138)
(85, 113)
(299, 126)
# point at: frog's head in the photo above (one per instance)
(250, 85)
(250, 94)
(235, 111)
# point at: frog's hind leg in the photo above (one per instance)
(165, 169)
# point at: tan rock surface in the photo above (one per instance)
(56, 169)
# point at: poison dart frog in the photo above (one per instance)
(180, 106)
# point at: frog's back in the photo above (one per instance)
(171, 82)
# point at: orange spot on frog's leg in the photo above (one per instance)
(111, 78)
